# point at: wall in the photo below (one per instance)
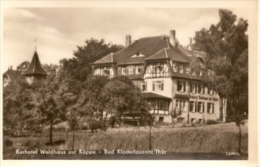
(167, 86)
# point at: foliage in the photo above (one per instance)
(17, 104)
(90, 100)
(49, 102)
(79, 67)
(7, 143)
(114, 96)
(226, 45)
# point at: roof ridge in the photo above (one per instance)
(151, 37)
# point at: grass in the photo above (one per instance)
(217, 138)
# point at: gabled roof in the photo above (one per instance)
(172, 53)
(132, 60)
(193, 53)
(35, 67)
(162, 54)
(144, 46)
(107, 59)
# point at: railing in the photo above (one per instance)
(156, 75)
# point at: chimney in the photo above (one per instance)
(191, 44)
(127, 40)
(172, 38)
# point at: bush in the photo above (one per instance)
(210, 122)
(8, 143)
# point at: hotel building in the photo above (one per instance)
(160, 68)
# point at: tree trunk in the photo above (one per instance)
(73, 141)
(150, 139)
(51, 133)
(239, 139)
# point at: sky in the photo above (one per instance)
(58, 31)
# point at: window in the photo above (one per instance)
(161, 106)
(210, 91)
(181, 86)
(106, 71)
(130, 69)
(159, 67)
(144, 86)
(124, 71)
(180, 104)
(157, 104)
(157, 85)
(193, 87)
(181, 69)
(137, 84)
(187, 70)
(200, 72)
(201, 88)
(192, 106)
(201, 107)
(139, 69)
(119, 71)
(210, 108)
(174, 67)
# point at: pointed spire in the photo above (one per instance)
(35, 44)
(35, 67)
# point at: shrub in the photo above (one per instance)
(210, 122)
(8, 143)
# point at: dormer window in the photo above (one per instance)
(181, 68)
(187, 70)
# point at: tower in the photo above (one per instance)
(35, 72)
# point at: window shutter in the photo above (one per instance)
(162, 86)
(212, 107)
(153, 86)
(196, 88)
(203, 107)
(196, 106)
(184, 86)
(190, 87)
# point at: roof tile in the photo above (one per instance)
(35, 67)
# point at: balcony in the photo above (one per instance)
(157, 75)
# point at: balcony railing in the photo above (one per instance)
(157, 75)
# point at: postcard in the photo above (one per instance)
(154, 82)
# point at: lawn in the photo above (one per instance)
(203, 142)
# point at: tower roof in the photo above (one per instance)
(35, 67)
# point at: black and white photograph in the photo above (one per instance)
(128, 83)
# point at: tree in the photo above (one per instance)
(226, 45)
(90, 101)
(73, 118)
(79, 67)
(120, 95)
(17, 105)
(49, 102)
